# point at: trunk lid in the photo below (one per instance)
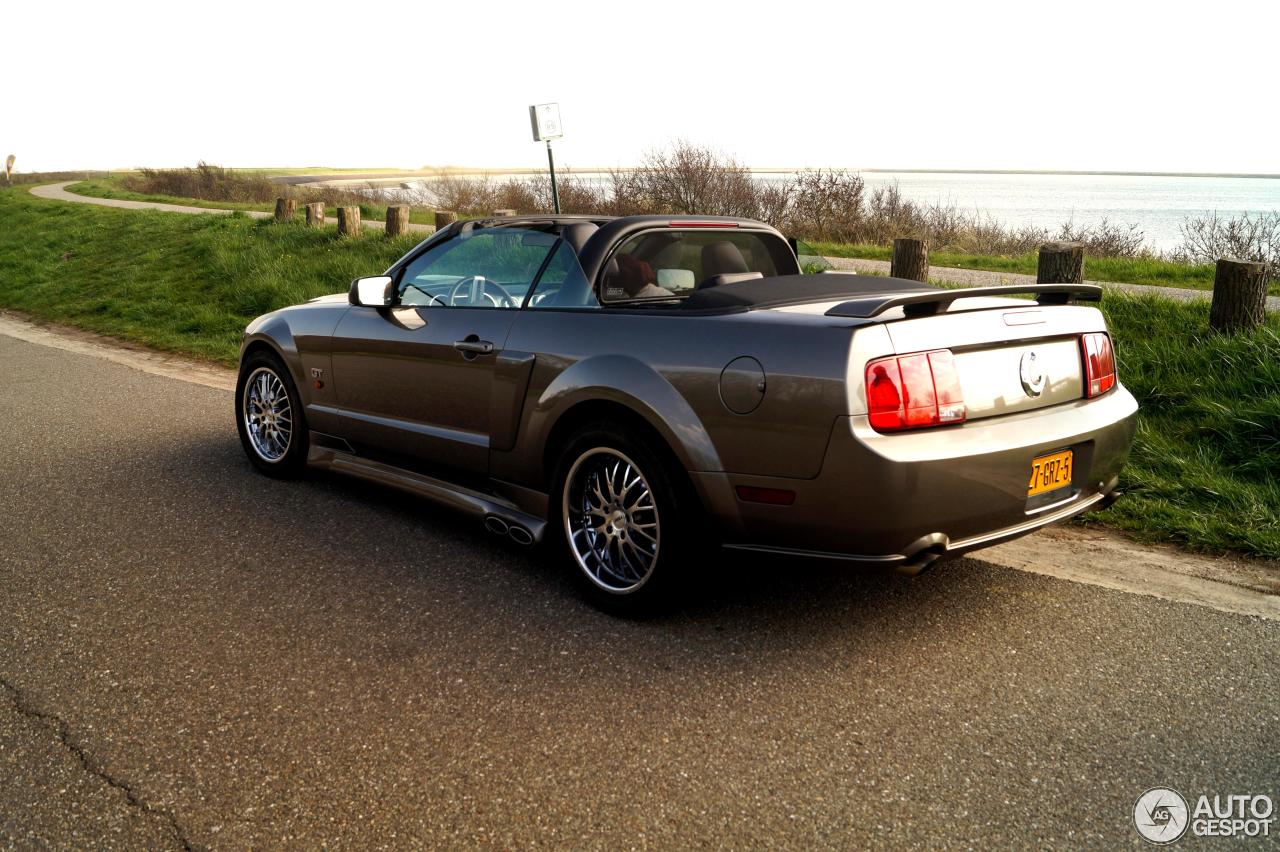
(1012, 357)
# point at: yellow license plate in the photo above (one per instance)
(1049, 473)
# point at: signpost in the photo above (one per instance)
(545, 119)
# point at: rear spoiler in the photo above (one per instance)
(922, 304)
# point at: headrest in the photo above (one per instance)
(722, 258)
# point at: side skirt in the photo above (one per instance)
(498, 515)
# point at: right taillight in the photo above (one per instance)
(1099, 363)
(914, 391)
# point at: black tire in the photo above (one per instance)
(676, 517)
(262, 452)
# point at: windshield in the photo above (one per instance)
(490, 267)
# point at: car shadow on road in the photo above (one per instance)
(362, 538)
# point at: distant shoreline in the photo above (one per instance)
(1073, 173)
(391, 177)
(781, 170)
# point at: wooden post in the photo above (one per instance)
(397, 220)
(1060, 263)
(506, 211)
(910, 259)
(285, 208)
(445, 218)
(1239, 295)
(348, 221)
(315, 214)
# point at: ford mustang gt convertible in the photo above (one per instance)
(633, 390)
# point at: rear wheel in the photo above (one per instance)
(269, 418)
(623, 517)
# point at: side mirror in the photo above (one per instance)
(374, 292)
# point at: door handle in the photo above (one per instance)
(473, 346)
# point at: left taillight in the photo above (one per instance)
(1099, 363)
(914, 391)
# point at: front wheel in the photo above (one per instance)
(623, 517)
(269, 417)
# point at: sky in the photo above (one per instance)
(1168, 86)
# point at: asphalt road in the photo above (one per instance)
(192, 654)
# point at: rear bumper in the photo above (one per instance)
(910, 497)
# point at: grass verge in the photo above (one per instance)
(1123, 270)
(182, 283)
(1202, 474)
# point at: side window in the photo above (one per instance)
(563, 283)
(668, 264)
(490, 268)
(810, 259)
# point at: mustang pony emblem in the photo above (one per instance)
(1031, 373)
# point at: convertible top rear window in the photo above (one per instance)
(666, 264)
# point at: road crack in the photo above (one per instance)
(62, 731)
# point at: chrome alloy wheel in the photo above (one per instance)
(611, 519)
(268, 417)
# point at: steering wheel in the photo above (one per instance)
(477, 286)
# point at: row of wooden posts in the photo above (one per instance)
(1239, 286)
(349, 217)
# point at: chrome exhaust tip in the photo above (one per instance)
(520, 535)
(922, 553)
(916, 565)
(496, 525)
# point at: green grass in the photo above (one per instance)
(1144, 270)
(111, 187)
(1203, 470)
(182, 283)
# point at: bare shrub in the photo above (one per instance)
(1207, 238)
(1105, 239)
(215, 183)
(821, 205)
(205, 181)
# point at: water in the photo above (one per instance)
(1157, 205)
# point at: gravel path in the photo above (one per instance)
(966, 277)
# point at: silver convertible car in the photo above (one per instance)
(634, 390)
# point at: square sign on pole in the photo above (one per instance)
(545, 119)
(546, 122)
